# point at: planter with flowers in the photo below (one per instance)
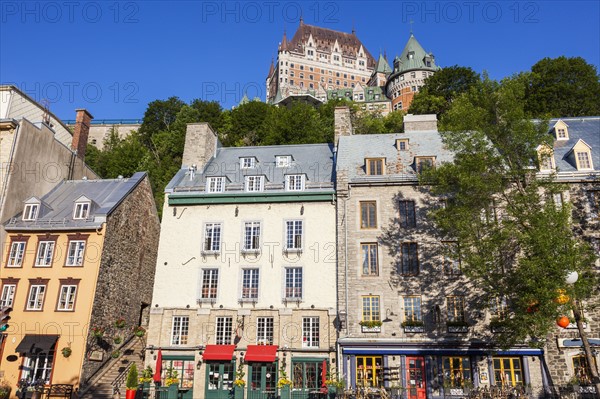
(457, 326)
(284, 384)
(139, 331)
(370, 326)
(4, 390)
(146, 378)
(115, 354)
(120, 323)
(97, 332)
(172, 383)
(413, 326)
(239, 383)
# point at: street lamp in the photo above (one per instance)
(571, 279)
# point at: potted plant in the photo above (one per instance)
(131, 383)
(115, 354)
(117, 340)
(172, 383)
(574, 383)
(120, 323)
(97, 332)
(457, 326)
(66, 351)
(239, 383)
(413, 326)
(139, 331)
(146, 377)
(284, 383)
(4, 390)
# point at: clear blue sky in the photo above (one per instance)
(114, 57)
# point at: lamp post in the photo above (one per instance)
(589, 357)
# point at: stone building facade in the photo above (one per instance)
(76, 260)
(245, 277)
(575, 161)
(409, 317)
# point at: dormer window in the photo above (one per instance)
(283, 161)
(561, 130)
(374, 166)
(583, 160)
(82, 210)
(215, 184)
(411, 55)
(402, 144)
(294, 182)
(31, 211)
(424, 163)
(247, 162)
(546, 159)
(254, 183)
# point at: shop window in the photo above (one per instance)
(457, 371)
(369, 371)
(508, 371)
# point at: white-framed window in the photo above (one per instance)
(212, 237)
(35, 301)
(38, 366)
(215, 184)
(561, 134)
(264, 330)
(209, 284)
(247, 162)
(75, 253)
(224, 330)
(17, 250)
(294, 182)
(293, 235)
(310, 332)
(82, 210)
(557, 198)
(8, 295)
(31, 211)
(66, 300)
(250, 281)
(293, 283)
(583, 160)
(44, 253)
(251, 236)
(254, 183)
(179, 330)
(283, 161)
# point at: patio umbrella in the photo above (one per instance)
(324, 376)
(158, 368)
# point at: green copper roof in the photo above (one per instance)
(382, 65)
(414, 57)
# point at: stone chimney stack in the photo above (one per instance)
(420, 123)
(342, 123)
(201, 145)
(83, 120)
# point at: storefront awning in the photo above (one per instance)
(218, 352)
(440, 351)
(261, 353)
(36, 343)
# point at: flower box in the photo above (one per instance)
(456, 328)
(370, 329)
(414, 329)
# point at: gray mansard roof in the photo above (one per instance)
(57, 207)
(315, 161)
(582, 128)
(399, 165)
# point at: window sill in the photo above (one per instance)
(366, 329)
(292, 250)
(248, 300)
(206, 300)
(250, 251)
(205, 252)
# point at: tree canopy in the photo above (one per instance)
(515, 244)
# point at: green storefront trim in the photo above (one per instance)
(249, 198)
(309, 359)
(176, 357)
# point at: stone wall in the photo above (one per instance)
(587, 225)
(126, 275)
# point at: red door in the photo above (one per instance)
(415, 377)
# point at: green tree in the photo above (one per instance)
(159, 116)
(299, 124)
(243, 124)
(562, 86)
(514, 243)
(209, 111)
(436, 95)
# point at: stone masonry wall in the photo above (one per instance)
(126, 275)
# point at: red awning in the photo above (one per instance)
(261, 353)
(218, 352)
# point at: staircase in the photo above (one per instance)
(101, 387)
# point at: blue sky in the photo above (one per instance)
(113, 57)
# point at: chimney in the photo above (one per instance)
(420, 123)
(342, 123)
(201, 145)
(83, 120)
